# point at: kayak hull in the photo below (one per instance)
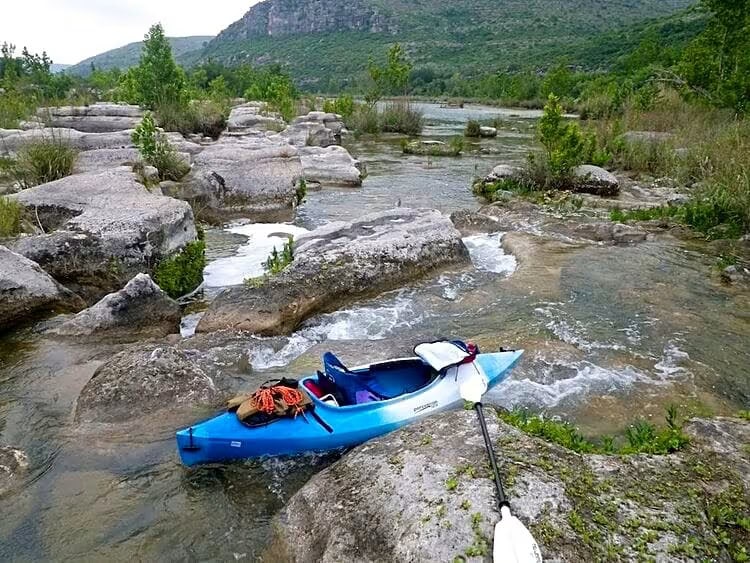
(329, 427)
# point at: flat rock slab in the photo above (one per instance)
(27, 291)
(252, 117)
(139, 310)
(103, 229)
(425, 493)
(11, 140)
(341, 261)
(245, 177)
(332, 165)
(135, 383)
(96, 118)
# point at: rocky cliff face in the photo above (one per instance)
(277, 18)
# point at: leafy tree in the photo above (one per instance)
(157, 79)
(392, 78)
(564, 143)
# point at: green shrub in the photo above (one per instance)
(43, 161)
(204, 117)
(343, 106)
(473, 129)
(157, 151)
(301, 192)
(277, 261)
(11, 213)
(180, 274)
(564, 144)
(401, 117)
(364, 120)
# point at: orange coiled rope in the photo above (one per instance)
(265, 399)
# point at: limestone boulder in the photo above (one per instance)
(27, 291)
(101, 229)
(339, 262)
(251, 116)
(401, 498)
(138, 382)
(96, 118)
(595, 180)
(139, 310)
(238, 177)
(332, 165)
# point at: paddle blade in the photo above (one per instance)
(472, 384)
(513, 542)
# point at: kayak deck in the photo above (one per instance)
(328, 426)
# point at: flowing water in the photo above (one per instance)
(611, 333)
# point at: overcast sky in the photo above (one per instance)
(72, 30)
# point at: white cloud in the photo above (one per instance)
(72, 30)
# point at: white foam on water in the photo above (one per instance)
(572, 332)
(453, 286)
(590, 379)
(189, 323)
(375, 322)
(669, 364)
(249, 259)
(487, 254)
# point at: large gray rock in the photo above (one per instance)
(595, 180)
(27, 291)
(503, 172)
(97, 118)
(103, 229)
(332, 165)
(140, 309)
(103, 159)
(135, 383)
(238, 177)
(251, 117)
(424, 493)
(13, 466)
(11, 140)
(341, 261)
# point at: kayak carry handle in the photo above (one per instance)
(191, 447)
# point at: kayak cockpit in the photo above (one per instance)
(340, 386)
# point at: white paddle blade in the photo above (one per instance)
(513, 542)
(472, 388)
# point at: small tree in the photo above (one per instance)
(157, 79)
(156, 150)
(564, 143)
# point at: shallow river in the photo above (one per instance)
(611, 333)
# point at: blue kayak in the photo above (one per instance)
(372, 400)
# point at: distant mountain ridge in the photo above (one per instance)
(127, 56)
(324, 38)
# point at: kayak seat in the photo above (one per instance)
(382, 381)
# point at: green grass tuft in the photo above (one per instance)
(180, 274)
(11, 213)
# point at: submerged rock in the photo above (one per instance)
(340, 261)
(27, 291)
(140, 309)
(13, 465)
(332, 165)
(103, 229)
(401, 498)
(139, 382)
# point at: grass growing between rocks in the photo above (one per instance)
(453, 148)
(278, 261)
(180, 274)
(42, 161)
(11, 213)
(641, 437)
(157, 151)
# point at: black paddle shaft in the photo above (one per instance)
(501, 499)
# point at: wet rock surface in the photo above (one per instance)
(138, 382)
(139, 310)
(27, 291)
(340, 261)
(102, 228)
(401, 498)
(13, 465)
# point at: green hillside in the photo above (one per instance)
(127, 56)
(321, 44)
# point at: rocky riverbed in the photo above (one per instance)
(618, 321)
